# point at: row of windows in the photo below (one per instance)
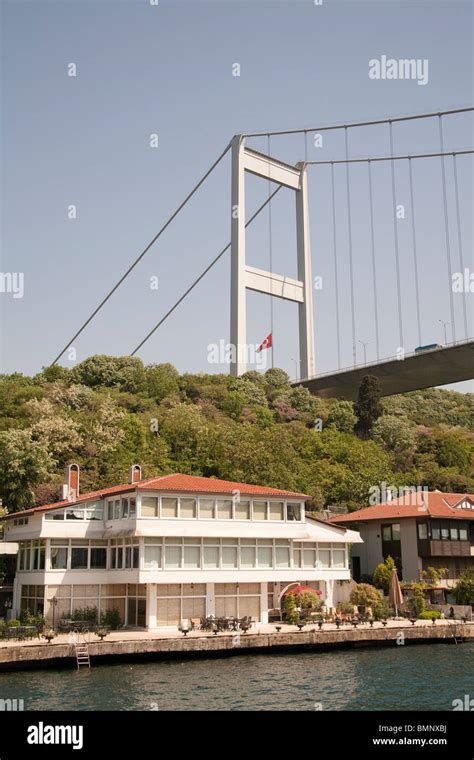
(187, 508)
(89, 511)
(449, 532)
(180, 553)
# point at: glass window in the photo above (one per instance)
(309, 557)
(128, 556)
(224, 509)
(54, 515)
(188, 509)
(293, 512)
(152, 557)
(133, 507)
(454, 534)
(39, 555)
(276, 510)
(135, 556)
(125, 510)
(229, 556)
(169, 507)
(435, 533)
(211, 556)
(247, 556)
(338, 558)
(324, 558)
(206, 509)
(149, 507)
(422, 531)
(297, 558)
(260, 510)
(264, 555)
(242, 510)
(74, 514)
(192, 557)
(282, 556)
(173, 556)
(445, 534)
(117, 509)
(95, 512)
(110, 510)
(386, 532)
(98, 558)
(463, 534)
(59, 557)
(396, 532)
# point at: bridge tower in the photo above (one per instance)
(244, 277)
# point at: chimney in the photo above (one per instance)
(135, 473)
(70, 489)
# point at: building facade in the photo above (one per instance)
(174, 547)
(419, 530)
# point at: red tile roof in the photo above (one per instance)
(431, 503)
(175, 483)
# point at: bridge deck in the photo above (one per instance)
(439, 366)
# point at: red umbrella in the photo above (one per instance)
(299, 590)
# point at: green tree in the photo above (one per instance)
(434, 575)
(161, 380)
(23, 464)
(341, 416)
(464, 591)
(277, 378)
(383, 574)
(124, 372)
(368, 407)
(397, 436)
(453, 452)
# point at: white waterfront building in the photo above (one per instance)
(174, 547)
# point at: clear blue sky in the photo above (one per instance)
(143, 69)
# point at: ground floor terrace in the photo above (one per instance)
(165, 605)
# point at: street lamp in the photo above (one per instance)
(445, 324)
(365, 344)
(296, 361)
(54, 603)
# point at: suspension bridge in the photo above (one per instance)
(404, 368)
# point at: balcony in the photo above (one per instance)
(427, 548)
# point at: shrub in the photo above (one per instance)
(88, 614)
(13, 623)
(345, 608)
(382, 611)
(27, 618)
(417, 603)
(464, 591)
(365, 595)
(292, 614)
(111, 618)
(429, 615)
(383, 574)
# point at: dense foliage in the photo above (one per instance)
(108, 413)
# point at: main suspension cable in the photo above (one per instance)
(360, 123)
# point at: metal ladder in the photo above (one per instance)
(82, 654)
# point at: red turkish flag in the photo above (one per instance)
(267, 343)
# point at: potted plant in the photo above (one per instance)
(49, 635)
